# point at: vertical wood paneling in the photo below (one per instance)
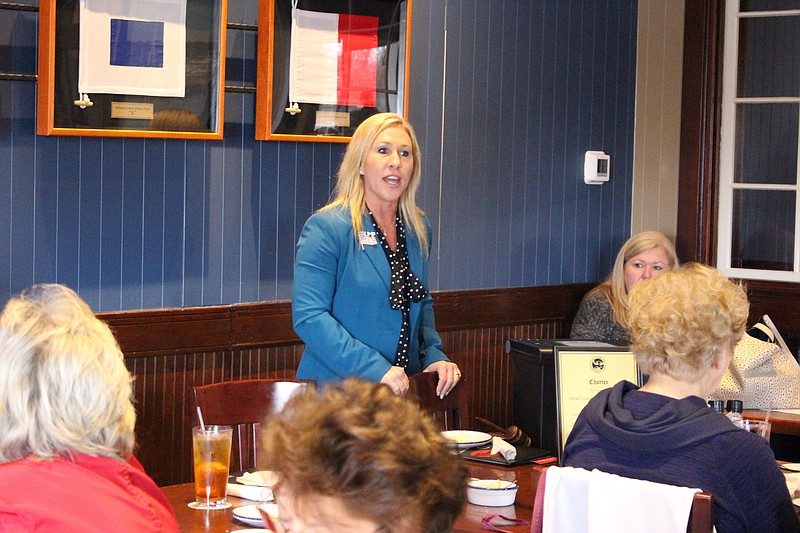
(170, 350)
(161, 386)
(657, 128)
(526, 92)
(505, 97)
(162, 383)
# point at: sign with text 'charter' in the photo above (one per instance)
(584, 368)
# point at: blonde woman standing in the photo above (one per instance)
(684, 325)
(360, 301)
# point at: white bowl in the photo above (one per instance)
(491, 492)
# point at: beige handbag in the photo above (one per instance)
(763, 374)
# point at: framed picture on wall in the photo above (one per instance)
(324, 66)
(147, 68)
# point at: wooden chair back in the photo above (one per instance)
(701, 518)
(450, 412)
(243, 405)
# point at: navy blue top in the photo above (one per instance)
(641, 435)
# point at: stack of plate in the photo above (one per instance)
(467, 439)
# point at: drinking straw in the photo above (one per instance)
(200, 417)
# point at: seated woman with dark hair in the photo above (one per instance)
(684, 325)
(66, 423)
(353, 457)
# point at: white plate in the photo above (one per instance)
(794, 467)
(261, 478)
(249, 513)
(796, 501)
(467, 439)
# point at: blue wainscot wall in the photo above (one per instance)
(505, 96)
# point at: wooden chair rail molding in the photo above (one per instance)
(171, 350)
(266, 324)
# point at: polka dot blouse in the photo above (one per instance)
(405, 286)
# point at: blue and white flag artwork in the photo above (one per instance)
(133, 47)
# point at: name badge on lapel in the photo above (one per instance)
(367, 238)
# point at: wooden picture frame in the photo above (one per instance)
(198, 114)
(276, 116)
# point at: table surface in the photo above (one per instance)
(222, 520)
(526, 476)
(785, 423)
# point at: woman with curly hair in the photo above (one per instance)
(354, 458)
(684, 325)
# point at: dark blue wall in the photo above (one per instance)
(529, 86)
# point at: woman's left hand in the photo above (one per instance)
(449, 375)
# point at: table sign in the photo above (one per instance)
(584, 368)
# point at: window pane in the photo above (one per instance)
(768, 60)
(768, 5)
(766, 144)
(763, 230)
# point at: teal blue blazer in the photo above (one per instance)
(341, 309)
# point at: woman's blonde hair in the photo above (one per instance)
(64, 387)
(680, 319)
(349, 191)
(613, 287)
(379, 455)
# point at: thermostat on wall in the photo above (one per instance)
(596, 167)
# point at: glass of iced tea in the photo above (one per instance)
(212, 459)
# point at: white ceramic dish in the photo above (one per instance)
(491, 492)
(249, 514)
(467, 439)
(796, 502)
(261, 478)
(793, 467)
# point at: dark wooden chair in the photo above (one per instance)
(243, 405)
(450, 412)
(701, 519)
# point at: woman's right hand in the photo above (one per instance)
(397, 380)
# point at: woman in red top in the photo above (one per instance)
(67, 422)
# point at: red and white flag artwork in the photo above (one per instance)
(334, 58)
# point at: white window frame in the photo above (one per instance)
(727, 153)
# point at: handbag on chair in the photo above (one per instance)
(763, 373)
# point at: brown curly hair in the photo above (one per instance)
(379, 455)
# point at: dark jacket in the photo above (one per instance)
(642, 435)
